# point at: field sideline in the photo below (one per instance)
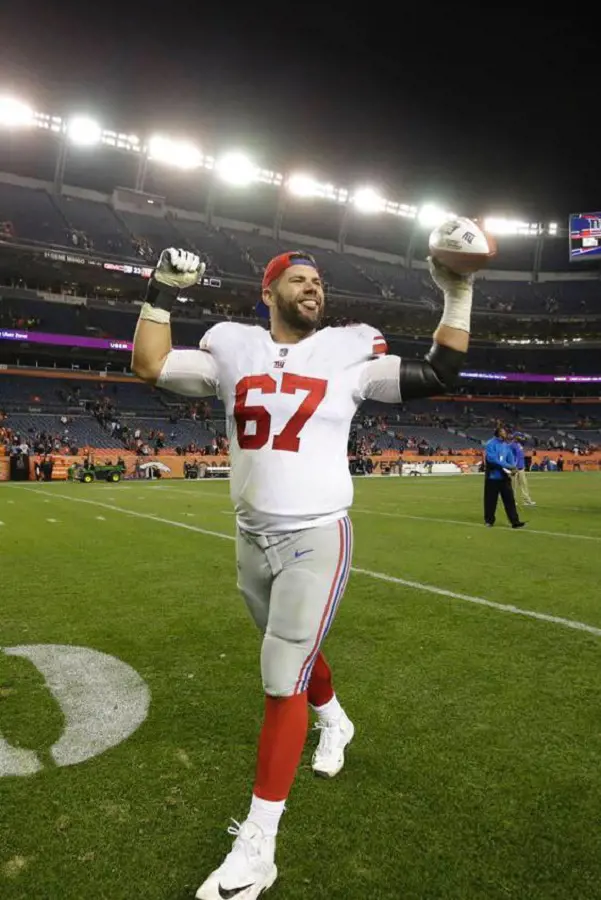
(468, 658)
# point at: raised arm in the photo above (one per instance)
(393, 379)
(439, 371)
(189, 372)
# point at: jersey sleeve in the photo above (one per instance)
(379, 347)
(192, 373)
(379, 379)
(379, 374)
(212, 339)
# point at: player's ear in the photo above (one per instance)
(268, 298)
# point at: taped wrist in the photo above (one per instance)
(436, 374)
(458, 308)
(155, 314)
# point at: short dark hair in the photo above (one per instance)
(498, 430)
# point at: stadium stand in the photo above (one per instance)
(260, 247)
(33, 215)
(150, 234)
(375, 285)
(89, 224)
(83, 431)
(98, 221)
(217, 246)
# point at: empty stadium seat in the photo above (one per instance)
(33, 214)
(99, 223)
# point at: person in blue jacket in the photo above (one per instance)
(499, 464)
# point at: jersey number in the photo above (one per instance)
(288, 438)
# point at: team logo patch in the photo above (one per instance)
(279, 363)
(103, 701)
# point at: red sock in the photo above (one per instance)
(320, 684)
(281, 744)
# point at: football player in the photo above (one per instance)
(290, 393)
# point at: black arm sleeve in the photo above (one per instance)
(436, 374)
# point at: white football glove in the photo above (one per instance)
(178, 268)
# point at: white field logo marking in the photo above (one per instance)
(103, 701)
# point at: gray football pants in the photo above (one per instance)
(293, 584)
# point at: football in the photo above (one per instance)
(461, 245)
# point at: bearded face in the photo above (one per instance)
(297, 299)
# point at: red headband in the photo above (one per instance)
(280, 263)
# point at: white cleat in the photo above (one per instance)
(247, 870)
(328, 758)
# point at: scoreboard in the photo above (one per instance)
(585, 235)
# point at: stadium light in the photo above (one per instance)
(182, 154)
(237, 169)
(302, 185)
(14, 113)
(501, 226)
(83, 131)
(430, 215)
(367, 200)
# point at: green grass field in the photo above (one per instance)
(475, 773)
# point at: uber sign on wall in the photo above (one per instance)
(103, 701)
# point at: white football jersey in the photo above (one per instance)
(289, 409)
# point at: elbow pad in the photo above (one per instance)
(436, 374)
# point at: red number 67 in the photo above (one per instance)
(288, 438)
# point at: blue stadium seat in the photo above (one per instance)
(99, 223)
(33, 214)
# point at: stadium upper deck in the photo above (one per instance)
(61, 186)
(90, 223)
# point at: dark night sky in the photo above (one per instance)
(486, 111)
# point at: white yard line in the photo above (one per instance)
(491, 604)
(140, 515)
(526, 530)
(380, 576)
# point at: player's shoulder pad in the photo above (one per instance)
(226, 336)
(370, 341)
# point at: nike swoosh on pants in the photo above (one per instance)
(228, 893)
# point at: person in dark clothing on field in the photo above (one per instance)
(498, 466)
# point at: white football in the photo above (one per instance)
(461, 245)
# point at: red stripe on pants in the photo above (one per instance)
(326, 612)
